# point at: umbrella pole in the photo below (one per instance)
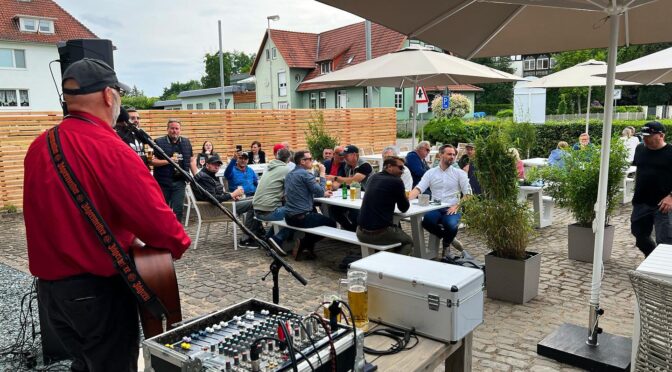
(415, 114)
(588, 109)
(600, 209)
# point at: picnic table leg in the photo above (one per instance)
(460, 360)
(537, 204)
(417, 233)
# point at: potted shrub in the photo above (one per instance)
(574, 187)
(506, 225)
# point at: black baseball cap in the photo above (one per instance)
(350, 149)
(214, 159)
(652, 127)
(92, 75)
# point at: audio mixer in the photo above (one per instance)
(225, 341)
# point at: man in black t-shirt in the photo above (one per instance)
(356, 170)
(652, 202)
(126, 117)
(385, 190)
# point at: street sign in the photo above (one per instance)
(617, 93)
(420, 96)
(445, 104)
(423, 108)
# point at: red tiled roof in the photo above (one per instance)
(65, 26)
(305, 50)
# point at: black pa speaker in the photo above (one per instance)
(73, 50)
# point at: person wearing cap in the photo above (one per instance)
(239, 174)
(416, 161)
(466, 163)
(172, 182)
(355, 170)
(85, 301)
(207, 179)
(652, 201)
(129, 136)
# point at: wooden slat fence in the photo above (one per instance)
(370, 129)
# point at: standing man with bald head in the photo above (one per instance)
(86, 302)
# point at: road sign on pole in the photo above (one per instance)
(420, 96)
(445, 104)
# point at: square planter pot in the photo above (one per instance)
(510, 280)
(581, 243)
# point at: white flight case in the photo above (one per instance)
(438, 300)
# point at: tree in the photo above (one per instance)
(234, 63)
(499, 92)
(176, 87)
(138, 102)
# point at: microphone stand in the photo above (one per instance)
(277, 263)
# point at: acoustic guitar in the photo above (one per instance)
(155, 266)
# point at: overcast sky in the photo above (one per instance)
(159, 42)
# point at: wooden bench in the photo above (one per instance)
(337, 234)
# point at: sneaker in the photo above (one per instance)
(458, 245)
(275, 246)
(248, 243)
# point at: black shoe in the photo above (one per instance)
(248, 243)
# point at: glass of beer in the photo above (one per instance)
(329, 185)
(408, 193)
(358, 298)
(353, 193)
(150, 155)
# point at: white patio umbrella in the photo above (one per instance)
(413, 67)
(654, 68)
(579, 75)
(484, 28)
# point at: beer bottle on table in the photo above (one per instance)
(344, 190)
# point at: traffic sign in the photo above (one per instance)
(420, 96)
(445, 104)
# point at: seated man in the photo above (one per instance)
(406, 174)
(300, 188)
(385, 190)
(356, 170)
(584, 141)
(335, 166)
(415, 161)
(446, 183)
(237, 173)
(207, 179)
(270, 194)
(327, 154)
(466, 163)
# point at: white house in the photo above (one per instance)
(29, 32)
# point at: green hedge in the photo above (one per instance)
(492, 108)
(545, 138)
(595, 110)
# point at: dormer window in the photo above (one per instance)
(43, 26)
(325, 67)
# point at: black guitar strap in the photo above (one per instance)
(122, 263)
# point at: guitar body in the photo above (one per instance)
(155, 266)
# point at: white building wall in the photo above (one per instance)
(36, 77)
(206, 100)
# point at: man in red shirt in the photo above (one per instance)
(89, 306)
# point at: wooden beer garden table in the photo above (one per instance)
(427, 355)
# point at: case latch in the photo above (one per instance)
(433, 302)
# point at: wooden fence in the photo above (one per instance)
(370, 129)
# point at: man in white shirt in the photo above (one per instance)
(450, 185)
(406, 174)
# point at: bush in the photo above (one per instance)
(491, 108)
(459, 106)
(317, 137)
(505, 113)
(575, 186)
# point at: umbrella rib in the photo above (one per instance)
(497, 31)
(441, 18)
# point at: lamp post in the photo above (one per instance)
(270, 56)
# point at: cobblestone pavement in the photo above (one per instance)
(215, 276)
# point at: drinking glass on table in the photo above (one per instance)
(358, 297)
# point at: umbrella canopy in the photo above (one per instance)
(412, 67)
(484, 28)
(580, 75)
(655, 68)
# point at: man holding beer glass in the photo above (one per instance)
(385, 190)
(356, 170)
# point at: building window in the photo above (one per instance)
(28, 24)
(199, 106)
(46, 26)
(14, 98)
(313, 100)
(552, 63)
(274, 53)
(212, 105)
(399, 99)
(517, 57)
(542, 63)
(268, 54)
(342, 99)
(325, 67)
(283, 105)
(282, 84)
(190, 106)
(12, 58)
(266, 106)
(529, 64)
(366, 96)
(323, 100)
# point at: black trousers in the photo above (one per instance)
(96, 320)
